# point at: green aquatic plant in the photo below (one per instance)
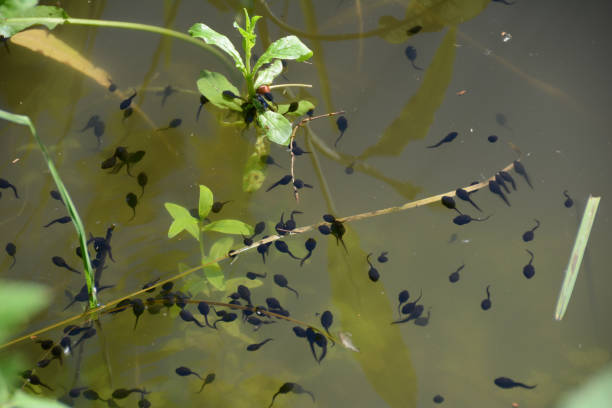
(271, 119)
(183, 220)
(20, 301)
(257, 105)
(72, 211)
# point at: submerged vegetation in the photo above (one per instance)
(207, 297)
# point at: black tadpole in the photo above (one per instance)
(449, 202)
(61, 220)
(486, 303)
(495, 189)
(465, 196)
(520, 169)
(127, 102)
(291, 387)
(5, 184)
(342, 125)
(281, 281)
(372, 272)
(568, 200)
(529, 269)
(132, 200)
(447, 139)
(528, 235)
(11, 250)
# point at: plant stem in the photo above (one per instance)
(290, 85)
(72, 211)
(117, 24)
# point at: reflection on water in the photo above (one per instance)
(474, 338)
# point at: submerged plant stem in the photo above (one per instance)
(72, 211)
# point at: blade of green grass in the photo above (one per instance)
(573, 266)
(72, 211)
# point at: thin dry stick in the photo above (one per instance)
(293, 133)
(272, 238)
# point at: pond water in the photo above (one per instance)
(530, 73)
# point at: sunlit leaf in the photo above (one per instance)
(266, 76)
(287, 48)
(21, 399)
(229, 226)
(20, 301)
(214, 275)
(194, 283)
(276, 127)
(417, 116)
(365, 309)
(44, 42)
(206, 201)
(596, 392)
(303, 107)
(212, 84)
(231, 285)
(431, 15)
(26, 8)
(212, 37)
(213, 272)
(182, 220)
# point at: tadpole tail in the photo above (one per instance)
(294, 291)
(338, 139)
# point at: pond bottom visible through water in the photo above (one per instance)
(448, 304)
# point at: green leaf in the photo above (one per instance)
(232, 284)
(276, 127)
(26, 8)
(206, 201)
(20, 301)
(194, 283)
(213, 272)
(212, 84)
(229, 227)
(182, 220)
(21, 399)
(431, 16)
(266, 76)
(287, 48)
(303, 107)
(212, 37)
(215, 276)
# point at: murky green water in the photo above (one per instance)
(549, 82)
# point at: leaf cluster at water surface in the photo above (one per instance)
(212, 85)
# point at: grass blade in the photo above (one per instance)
(72, 211)
(573, 266)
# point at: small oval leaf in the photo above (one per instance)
(287, 48)
(266, 76)
(206, 201)
(182, 220)
(212, 84)
(212, 37)
(276, 127)
(229, 227)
